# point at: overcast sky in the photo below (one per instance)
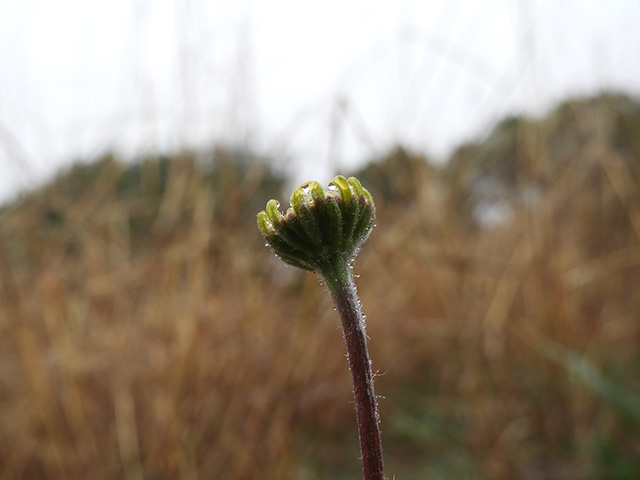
(322, 84)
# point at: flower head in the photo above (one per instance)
(320, 224)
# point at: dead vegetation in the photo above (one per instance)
(145, 331)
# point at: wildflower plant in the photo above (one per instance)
(322, 232)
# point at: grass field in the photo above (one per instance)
(147, 333)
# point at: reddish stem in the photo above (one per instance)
(343, 290)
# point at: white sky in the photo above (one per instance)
(321, 84)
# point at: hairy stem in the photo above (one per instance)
(337, 275)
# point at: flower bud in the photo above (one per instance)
(320, 224)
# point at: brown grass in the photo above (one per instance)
(153, 336)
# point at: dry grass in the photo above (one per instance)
(153, 336)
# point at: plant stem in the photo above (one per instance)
(337, 275)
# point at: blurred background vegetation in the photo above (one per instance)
(146, 332)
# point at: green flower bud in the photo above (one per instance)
(320, 224)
